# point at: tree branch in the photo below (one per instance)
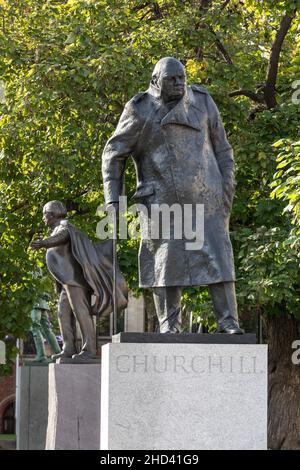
(221, 47)
(157, 10)
(141, 6)
(250, 94)
(270, 90)
(205, 4)
(16, 207)
(224, 5)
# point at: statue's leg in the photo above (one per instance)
(66, 323)
(167, 302)
(225, 306)
(80, 301)
(37, 335)
(48, 333)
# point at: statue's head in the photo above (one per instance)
(54, 211)
(169, 78)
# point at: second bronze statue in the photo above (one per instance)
(83, 271)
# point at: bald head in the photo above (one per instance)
(166, 65)
(54, 211)
(170, 78)
(56, 207)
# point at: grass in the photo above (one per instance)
(7, 437)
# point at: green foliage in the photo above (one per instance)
(69, 67)
(286, 183)
(268, 275)
(198, 302)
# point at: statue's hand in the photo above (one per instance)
(228, 194)
(112, 206)
(95, 304)
(37, 244)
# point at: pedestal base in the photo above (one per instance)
(74, 407)
(206, 338)
(33, 403)
(184, 396)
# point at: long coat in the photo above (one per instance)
(181, 156)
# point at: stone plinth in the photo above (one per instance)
(74, 407)
(211, 338)
(183, 396)
(33, 407)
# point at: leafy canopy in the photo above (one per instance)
(68, 68)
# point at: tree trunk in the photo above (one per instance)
(284, 384)
(270, 88)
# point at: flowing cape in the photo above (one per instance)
(96, 261)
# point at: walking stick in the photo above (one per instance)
(97, 332)
(113, 322)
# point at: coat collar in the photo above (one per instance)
(184, 113)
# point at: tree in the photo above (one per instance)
(68, 69)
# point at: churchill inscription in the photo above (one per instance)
(198, 364)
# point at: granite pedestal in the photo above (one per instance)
(74, 407)
(184, 395)
(33, 407)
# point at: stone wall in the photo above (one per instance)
(7, 395)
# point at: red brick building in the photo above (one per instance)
(7, 404)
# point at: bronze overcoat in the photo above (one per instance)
(181, 156)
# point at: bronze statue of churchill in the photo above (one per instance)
(175, 135)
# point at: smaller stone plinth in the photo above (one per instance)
(74, 407)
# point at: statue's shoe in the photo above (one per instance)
(170, 329)
(61, 354)
(84, 355)
(230, 330)
(40, 359)
(172, 332)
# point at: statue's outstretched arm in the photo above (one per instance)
(60, 238)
